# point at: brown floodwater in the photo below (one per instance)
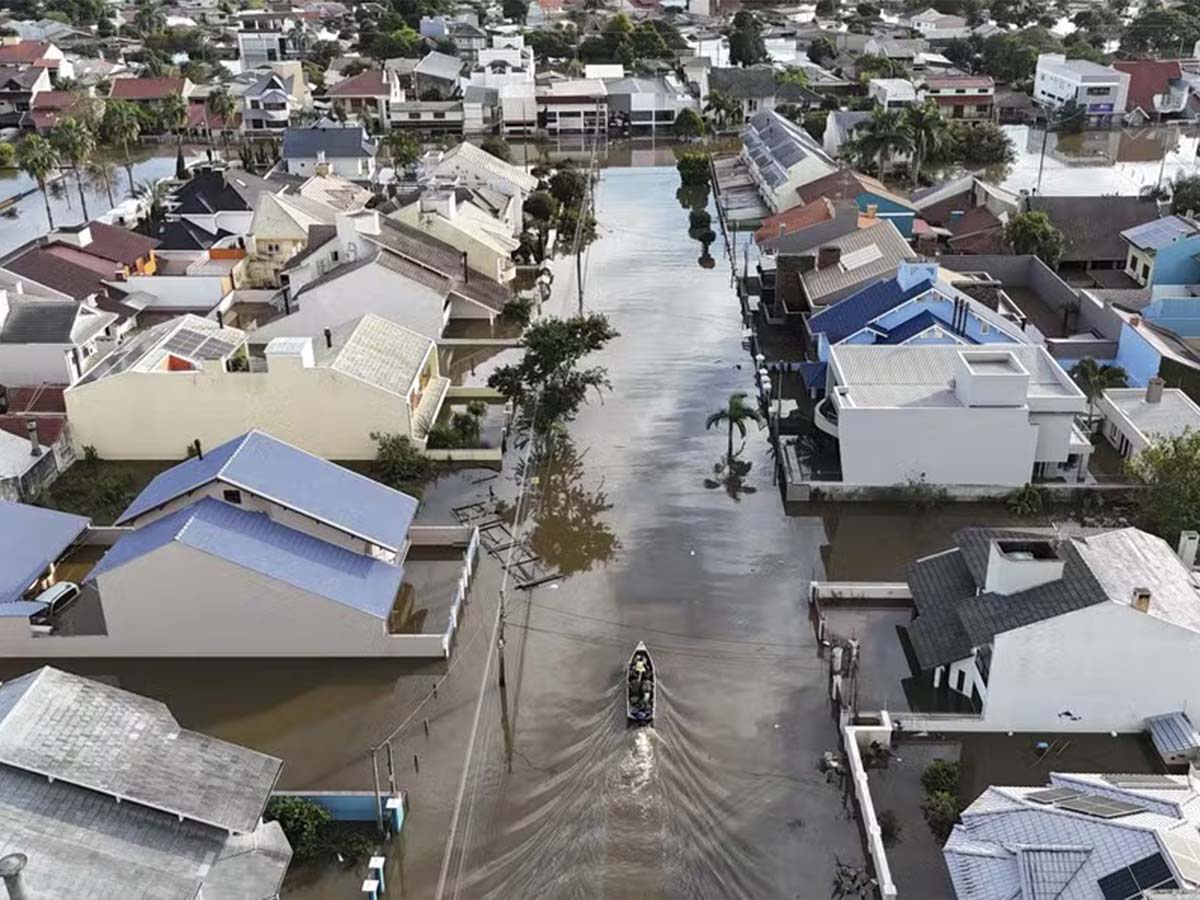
(721, 798)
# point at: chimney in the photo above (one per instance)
(328, 339)
(75, 235)
(466, 269)
(199, 448)
(872, 210)
(1189, 543)
(912, 272)
(1154, 389)
(10, 871)
(1141, 599)
(829, 255)
(220, 319)
(1135, 321)
(35, 446)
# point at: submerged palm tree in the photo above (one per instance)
(927, 132)
(101, 175)
(1094, 379)
(155, 195)
(884, 134)
(38, 159)
(75, 144)
(123, 126)
(736, 413)
(222, 108)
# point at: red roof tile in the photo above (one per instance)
(42, 398)
(54, 100)
(111, 242)
(370, 83)
(795, 219)
(24, 52)
(959, 81)
(49, 428)
(146, 88)
(59, 271)
(1147, 77)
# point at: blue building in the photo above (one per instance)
(871, 195)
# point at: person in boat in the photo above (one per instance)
(639, 667)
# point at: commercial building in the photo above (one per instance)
(1100, 91)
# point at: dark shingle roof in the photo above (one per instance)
(755, 82)
(337, 143)
(417, 246)
(1092, 226)
(318, 237)
(118, 244)
(38, 322)
(952, 619)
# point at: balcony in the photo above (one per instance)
(825, 417)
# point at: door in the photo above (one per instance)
(961, 681)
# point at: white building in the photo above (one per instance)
(267, 105)
(347, 152)
(187, 380)
(950, 415)
(487, 241)
(1100, 90)
(573, 106)
(473, 167)
(50, 341)
(264, 37)
(1087, 634)
(781, 157)
(1080, 836)
(892, 93)
(1134, 418)
(296, 556)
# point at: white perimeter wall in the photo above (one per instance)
(950, 445)
(35, 363)
(1109, 664)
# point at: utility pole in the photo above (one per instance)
(1042, 161)
(500, 637)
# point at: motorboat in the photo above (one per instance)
(640, 686)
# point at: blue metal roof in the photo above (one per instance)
(256, 542)
(32, 538)
(1159, 232)
(847, 316)
(813, 374)
(314, 487)
(923, 320)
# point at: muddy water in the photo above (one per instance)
(721, 798)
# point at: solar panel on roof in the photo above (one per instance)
(215, 348)
(185, 341)
(1053, 795)
(1129, 882)
(1156, 782)
(1100, 807)
(861, 257)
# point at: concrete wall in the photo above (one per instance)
(1176, 264)
(948, 445)
(853, 738)
(1108, 665)
(156, 415)
(1137, 356)
(1179, 314)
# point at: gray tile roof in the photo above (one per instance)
(84, 733)
(756, 82)
(39, 321)
(892, 249)
(1170, 416)
(336, 143)
(1173, 733)
(379, 352)
(438, 256)
(440, 65)
(955, 614)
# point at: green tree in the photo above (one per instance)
(927, 132)
(1070, 118)
(75, 144)
(515, 10)
(1094, 379)
(1185, 194)
(746, 45)
(542, 209)
(694, 169)
(568, 186)
(645, 42)
(302, 822)
(38, 159)
(883, 135)
(940, 775)
(172, 115)
(792, 75)
(822, 50)
(222, 107)
(122, 126)
(735, 414)
(1012, 57)
(149, 17)
(548, 376)
(1168, 471)
(154, 194)
(1162, 31)
(941, 811)
(399, 463)
(688, 123)
(8, 156)
(722, 108)
(101, 174)
(868, 67)
(497, 146)
(403, 150)
(1034, 233)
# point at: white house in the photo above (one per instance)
(1087, 634)
(487, 241)
(1100, 90)
(347, 152)
(265, 36)
(1088, 835)
(573, 106)
(1134, 418)
(187, 379)
(45, 341)
(892, 93)
(781, 156)
(267, 105)
(950, 415)
(473, 167)
(297, 557)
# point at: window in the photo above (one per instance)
(1097, 92)
(751, 105)
(233, 497)
(254, 104)
(982, 108)
(335, 256)
(438, 115)
(960, 90)
(962, 680)
(415, 115)
(958, 111)
(1145, 271)
(984, 328)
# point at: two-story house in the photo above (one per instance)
(344, 151)
(267, 105)
(368, 95)
(962, 98)
(1100, 91)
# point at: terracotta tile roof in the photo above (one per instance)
(25, 52)
(53, 100)
(959, 81)
(847, 185)
(795, 219)
(118, 244)
(49, 428)
(146, 88)
(73, 274)
(1147, 77)
(370, 83)
(40, 399)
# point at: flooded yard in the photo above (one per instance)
(542, 790)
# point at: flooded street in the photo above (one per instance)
(542, 790)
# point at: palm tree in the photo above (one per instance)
(123, 126)
(722, 108)
(75, 143)
(927, 131)
(173, 115)
(736, 413)
(149, 18)
(222, 107)
(155, 195)
(1094, 379)
(38, 159)
(883, 135)
(101, 173)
